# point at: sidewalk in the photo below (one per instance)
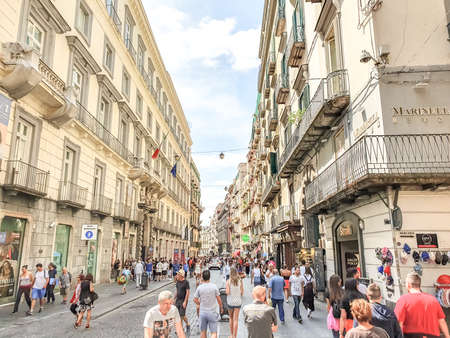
(110, 299)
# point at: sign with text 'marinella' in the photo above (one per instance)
(89, 232)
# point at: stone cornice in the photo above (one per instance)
(103, 80)
(75, 44)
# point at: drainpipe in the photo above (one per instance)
(390, 201)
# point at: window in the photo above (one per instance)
(35, 36)
(137, 146)
(119, 190)
(98, 184)
(103, 112)
(140, 57)
(158, 132)
(139, 104)
(108, 60)
(84, 21)
(23, 141)
(149, 121)
(123, 132)
(77, 83)
(69, 165)
(126, 84)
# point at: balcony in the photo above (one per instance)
(275, 141)
(268, 141)
(330, 100)
(267, 87)
(101, 205)
(273, 122)
(130, 48)
(301, 77)
(262, 154)
(376, 161)
(97, 128)
(296, 46)
(122, 211)
(273, 187)
(136, 216)
(281, 18)
(25, 178)
(112, 12)
(72, 195)
(282, 88)
(272, 62)
(261, 109)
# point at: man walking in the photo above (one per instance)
(163, 319)
(40, 283)
(159, 269)
(206, 296)
(382, 316)
(276, 293)
(149, 269)
(260, 318)
(182, 297)
(138, 271)
(419, 313)
(295, 283)
(165, 267)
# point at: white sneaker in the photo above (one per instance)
(309, 313)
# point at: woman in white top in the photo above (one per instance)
(235, 291)
(198, 272)
(256, 275)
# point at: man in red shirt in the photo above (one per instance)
(419, 313)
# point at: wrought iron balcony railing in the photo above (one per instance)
(72, 194)
(332, 97)
(101, 205)
(282, 88)
(281, 17)
(380, 160)
(273, 186)
(99, 130)
(296, 45)
(122, 211)
(112, 12)
(130, 47)
(23, 177)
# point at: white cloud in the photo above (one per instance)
(206, 41)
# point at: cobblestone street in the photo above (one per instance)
(117, 316)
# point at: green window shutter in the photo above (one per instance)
(273, 163)
(304, 98)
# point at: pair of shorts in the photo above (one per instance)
(181, 309)
(63, 291)
(164, 272)
(286, 283)
(158, 273)
(208, 320)
(231, 307)
(37, 293)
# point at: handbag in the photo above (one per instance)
(94, 296)
(73, 308)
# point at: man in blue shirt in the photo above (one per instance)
(149, 268)
(276, 294)
(175, 269)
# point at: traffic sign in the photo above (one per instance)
(89, 232)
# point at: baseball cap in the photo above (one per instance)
(438, 258)
(389, 280)
(418, 268)
(416, 256)
(381, 269)
(406, 248)
(404, 257)
(425, 256)
(387, 270)
(444, 259)
(180, 272)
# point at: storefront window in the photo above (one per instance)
(61, 246)
(11, 240)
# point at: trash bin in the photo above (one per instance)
(144, 281)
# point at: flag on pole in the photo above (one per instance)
(156, 153)
(173, 171)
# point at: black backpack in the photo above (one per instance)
(336, 309)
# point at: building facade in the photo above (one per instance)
(354, 113)
(86, 101)
(196, 210)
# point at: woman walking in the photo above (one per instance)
(256, 275)
(286, 274)
(309, 290)
(351, 293)
(25, 283)
(125, 278)
(86, 300)
(64, 284)
(51, 283)
(333, 297)
(76, 297)
(198, 272)
(235, 291)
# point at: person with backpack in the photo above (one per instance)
(333, 297)
(85, 301)
(51, 283)
(64, 284)
(38, 287)
(308, 291)
(125, 278)
(351, 293)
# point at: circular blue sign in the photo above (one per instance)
(89, 234)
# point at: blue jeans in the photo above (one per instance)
(296, 314)
(279, 302)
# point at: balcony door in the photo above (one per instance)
(333, 62)
(119, 194)
(103, 118)
(98, 186)
(69, 174)
(21, 173)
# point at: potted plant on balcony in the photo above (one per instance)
(296, 117)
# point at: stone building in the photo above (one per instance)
(85, 101)
(196, 210)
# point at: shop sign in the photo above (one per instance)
(419, 113)
(427, 240)
(407, 234)
(89, 232)
(351, 260)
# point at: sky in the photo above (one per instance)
(210, 49)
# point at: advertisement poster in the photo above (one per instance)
(351, 260)
(183, 258)
(427, 240)
(175, 255)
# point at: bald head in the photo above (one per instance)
(275, 272)
(259, 293)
